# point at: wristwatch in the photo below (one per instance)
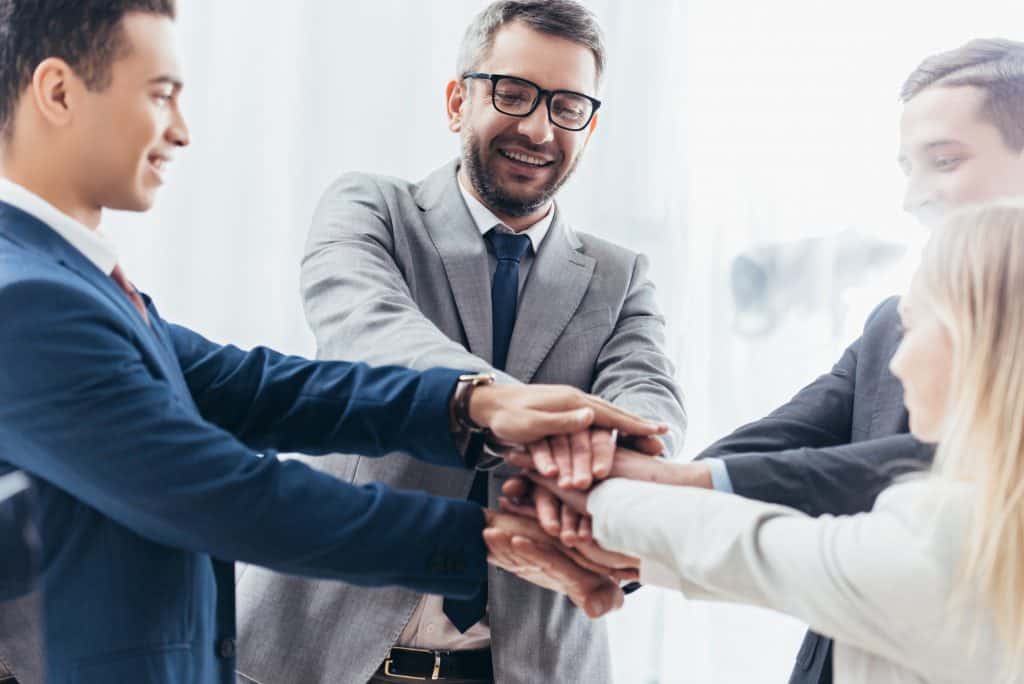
(482, 451)
(460, 401)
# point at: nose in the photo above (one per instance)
(916, 196)
(177, 133)
(537, 127)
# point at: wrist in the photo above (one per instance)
(482, 405)
(692, 474)
(460, 414)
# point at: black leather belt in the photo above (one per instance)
(423, 665)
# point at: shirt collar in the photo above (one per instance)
(485, 219)
(94, 245)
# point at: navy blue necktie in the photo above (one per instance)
(509, 249)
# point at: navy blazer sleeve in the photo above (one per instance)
(272, 401)
(83, 411)
(803, 455)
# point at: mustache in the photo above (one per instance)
(550, 150)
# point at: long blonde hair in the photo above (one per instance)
(972, 274)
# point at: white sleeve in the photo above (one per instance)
(872, 580)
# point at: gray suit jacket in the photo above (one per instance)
(398, 273)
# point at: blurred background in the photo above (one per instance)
(748, 148)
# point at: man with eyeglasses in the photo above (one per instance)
(474, 267)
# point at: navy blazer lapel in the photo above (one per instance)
(890, 414)
(557, 283)
(31, 233)
(463, 253)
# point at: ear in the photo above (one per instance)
(51, 89)
(455, 99)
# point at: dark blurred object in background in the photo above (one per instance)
(769, 281)
(20, 659)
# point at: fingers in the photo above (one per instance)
(543, 458)
(562, 453)
(652, 446)
(602, 599)
(526, 510)
(522, 458)
(608, 416)
(611, 559)
(602, 447)
(573, 498)
(548, 509)
(516, 488)
(534, 425)
(579, 474)
(625, 575)
(585, 530)
(594, 593)
(570, 521)
(500, 551)
(553, 562)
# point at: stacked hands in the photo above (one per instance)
(543, 532)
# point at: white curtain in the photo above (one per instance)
(732, 128)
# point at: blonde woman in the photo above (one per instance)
(928, 586)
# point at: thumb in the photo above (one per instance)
(652, 446)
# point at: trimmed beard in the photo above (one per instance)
(492, 194)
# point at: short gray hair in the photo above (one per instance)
(995, 65)
(563, 18)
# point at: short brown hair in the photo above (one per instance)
(995, 65)
(86, 34)
(563, 18)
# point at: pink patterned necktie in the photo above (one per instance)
(133, 295)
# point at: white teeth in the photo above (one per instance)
(525, 158)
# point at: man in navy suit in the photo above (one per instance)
(150, 448)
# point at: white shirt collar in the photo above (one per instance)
(485, 219)
(94, 245)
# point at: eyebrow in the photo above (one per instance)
(929, 146)
(172, 80)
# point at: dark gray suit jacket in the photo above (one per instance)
(831, 449)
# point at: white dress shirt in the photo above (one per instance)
(93, 244)
(879, 583)
(429, 627)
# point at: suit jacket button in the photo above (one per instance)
(226, 648)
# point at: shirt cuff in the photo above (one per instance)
(653, 573)
(720, 479)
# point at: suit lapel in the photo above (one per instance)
(890, 415)
(463, 254)
(558, 280)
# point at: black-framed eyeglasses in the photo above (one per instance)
(518, 97)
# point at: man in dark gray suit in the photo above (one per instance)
(842, 439)
(474, 266)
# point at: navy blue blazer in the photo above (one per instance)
(831, 449)
(150, 453)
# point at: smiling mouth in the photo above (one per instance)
(528, 159)
(158, 163)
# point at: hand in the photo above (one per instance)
(521, 548)
(523, 414)
(578, 459)
(521, 497)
